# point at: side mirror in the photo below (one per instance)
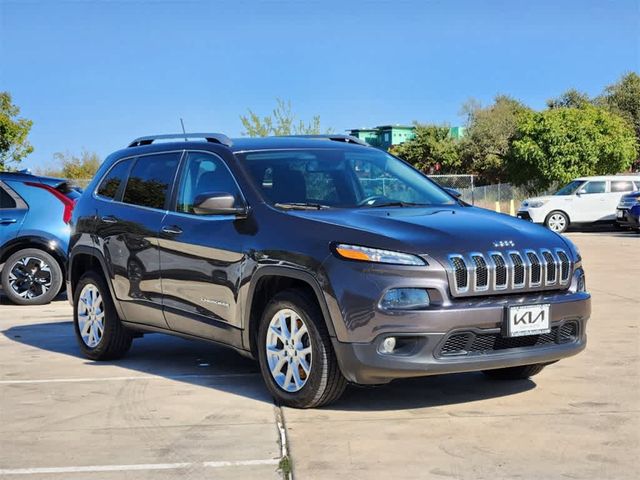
(218, 203)
(582, 191)
(453, 191)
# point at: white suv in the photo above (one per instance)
(585, 200)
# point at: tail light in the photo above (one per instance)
(66, 201)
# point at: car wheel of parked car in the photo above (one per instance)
(557, 221)
(100, 333)
(515, 373)
(31, 277)
(296, 357)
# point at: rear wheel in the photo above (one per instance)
(99, 332)
(31, 277)
(515, 373)
(557, 221)
(297, 360)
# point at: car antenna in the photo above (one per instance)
(183, 130)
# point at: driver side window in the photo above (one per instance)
(204, 173)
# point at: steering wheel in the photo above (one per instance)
(372, 200)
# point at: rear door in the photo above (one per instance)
(590, 204)
(128, 224)
(12, 212)
(201, 256)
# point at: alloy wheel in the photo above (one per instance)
(557, 222)
(30, 277)
(91, 315)
(288, 349)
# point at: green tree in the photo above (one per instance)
(75, 167)
(282, 121)
(490, 130)
(572, 98)
(623, 98)
(560, 144)
(432, 149)
(14, 130)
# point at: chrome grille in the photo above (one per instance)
(479, 273)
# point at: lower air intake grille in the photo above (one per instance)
(472, 343)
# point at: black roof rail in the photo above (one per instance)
(220, 138)
(335, 138)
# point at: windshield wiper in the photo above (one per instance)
(397, 204)
(301, 206)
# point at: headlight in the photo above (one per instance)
(536, 204)
(366, 254)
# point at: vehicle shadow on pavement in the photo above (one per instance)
(213, 366)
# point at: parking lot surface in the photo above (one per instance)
(179, 409)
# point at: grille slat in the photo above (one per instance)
(482, 273)
(502, 272)
(473, 343)
(536, 269)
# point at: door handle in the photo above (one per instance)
(8, 220)
(109, 219)
(173, 230)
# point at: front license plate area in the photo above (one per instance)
(523, 320)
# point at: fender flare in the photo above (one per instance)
(288, 272)
(36, 241)
(97, 255)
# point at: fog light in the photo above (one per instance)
(388, 345)
(405, 299)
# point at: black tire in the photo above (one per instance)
(116, 339)
(54, 274)
(325, 382)
(549, 221)
(515, 373)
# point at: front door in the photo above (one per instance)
(128, 226)
(201, 256)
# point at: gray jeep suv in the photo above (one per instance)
(326, 260)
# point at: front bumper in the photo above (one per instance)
(364, 364)
(535, 215)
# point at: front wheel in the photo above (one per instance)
(515, 373)
(297, 359)
(557, 221)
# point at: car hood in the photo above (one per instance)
(544, 198)
(436, 231)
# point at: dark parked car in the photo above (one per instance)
(624, 215)
(326, 260)
(34, 235)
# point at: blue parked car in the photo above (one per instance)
(34, 235)
(634, 217)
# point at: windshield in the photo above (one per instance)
(570, 188)
(341, 179)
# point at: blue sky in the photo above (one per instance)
(96, 74)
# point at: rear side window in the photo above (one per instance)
(150, 180)
(595, 187)
(6, 200)
(111, 182)
(621, 186)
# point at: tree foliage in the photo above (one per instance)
(560, 144)
(572, 98)
(488, 137)
(623, 98)
(14, 130)
(431, 150)
(282, 121)
(68, 165)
